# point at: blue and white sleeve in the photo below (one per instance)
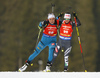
(57, 18)
(40, 24)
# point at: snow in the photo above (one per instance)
(49, 74)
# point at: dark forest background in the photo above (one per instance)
(19, 20)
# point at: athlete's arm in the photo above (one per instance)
(43, 23)
(78, 23)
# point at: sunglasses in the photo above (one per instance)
(66, 19)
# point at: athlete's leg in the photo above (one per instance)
(50, 56)
(67, 50)
(56, 51)
(38, 49)
(51, 50)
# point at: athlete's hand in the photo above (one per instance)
(60, 15)
(45, 23)
(74, 14)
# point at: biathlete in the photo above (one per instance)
(65, 37)
(48, 39)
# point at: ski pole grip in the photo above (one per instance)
(53, 5)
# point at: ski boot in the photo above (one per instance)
(48, 67)
(65, 70)
(23, 68)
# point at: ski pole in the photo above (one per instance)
(37, 41)
(80, 43)
(53, 5)
(38, 37)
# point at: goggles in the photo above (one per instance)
(66, 19)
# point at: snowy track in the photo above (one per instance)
(49, 74)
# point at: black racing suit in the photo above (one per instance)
(65, 45)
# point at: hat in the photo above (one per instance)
(51, 15)
(68, 16)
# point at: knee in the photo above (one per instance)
(52, 45)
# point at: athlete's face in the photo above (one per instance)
(67, 20)
(51, 20)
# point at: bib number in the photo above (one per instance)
(65, 31)
(50, 32)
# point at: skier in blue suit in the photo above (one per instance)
(48, 39)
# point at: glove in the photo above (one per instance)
(45, 23)
(74, 14)
(60, 15)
